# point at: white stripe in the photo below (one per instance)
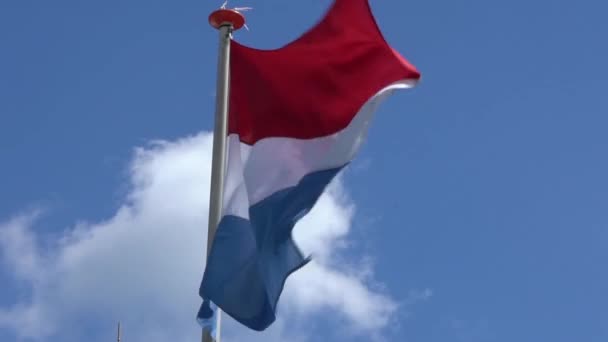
(274, 164)
(236, 201)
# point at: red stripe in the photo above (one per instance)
(315, 85)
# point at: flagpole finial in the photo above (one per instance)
(224, 16)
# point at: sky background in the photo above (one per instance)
(476, 210)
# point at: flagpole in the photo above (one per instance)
(225, 21)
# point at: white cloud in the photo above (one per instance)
(19, 248)
(143, 265)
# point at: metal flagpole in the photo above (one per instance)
(118, 334)
(225, 21)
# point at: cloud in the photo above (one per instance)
(143, 265)
(19, 248)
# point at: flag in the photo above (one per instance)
(297, 116)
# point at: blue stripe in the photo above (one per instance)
(251, 259)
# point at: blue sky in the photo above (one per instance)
(477, 204)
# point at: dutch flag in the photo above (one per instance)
(297, 116)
